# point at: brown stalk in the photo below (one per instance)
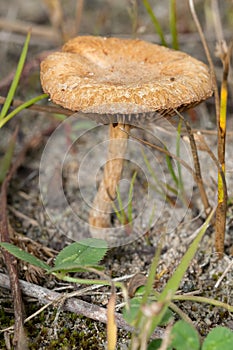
(102, 206)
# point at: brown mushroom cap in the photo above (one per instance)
(111, 75)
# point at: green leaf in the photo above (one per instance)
(15, 81)
(166, 318)
(155, 344)
(184, 336)
(220, 338)
(174, 282)
(87, 252)
(130, 314)
(25, 256)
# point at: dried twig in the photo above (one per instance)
(77, 306)
(18, 26)
(197, 167)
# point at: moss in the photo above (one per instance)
(6, 320)
(68, 332)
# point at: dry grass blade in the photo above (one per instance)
(224, 53)
(198, 176)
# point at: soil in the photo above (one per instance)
(71, 163)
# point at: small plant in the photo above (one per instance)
(4, 117)
(123, 216)
(165, 190)
(172, 23)
(185, 336)
(148, 308)
(78, 256)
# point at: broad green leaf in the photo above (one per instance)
(84, 253)
(25, 256)
(184, 336)
(220, 338)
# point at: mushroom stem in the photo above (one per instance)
(102, 206)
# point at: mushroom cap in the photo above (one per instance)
(123, 76)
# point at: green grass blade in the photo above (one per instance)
(130, 198)
(173, 22)
(158, 183)
(180, 179)
(173, 283)
(155, 22)
(120, 216)
(15, 81)
(171, 170)
(25, 256)
(21, 107)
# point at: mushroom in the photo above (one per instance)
(121, 81)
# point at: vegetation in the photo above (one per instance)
(145, 310)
